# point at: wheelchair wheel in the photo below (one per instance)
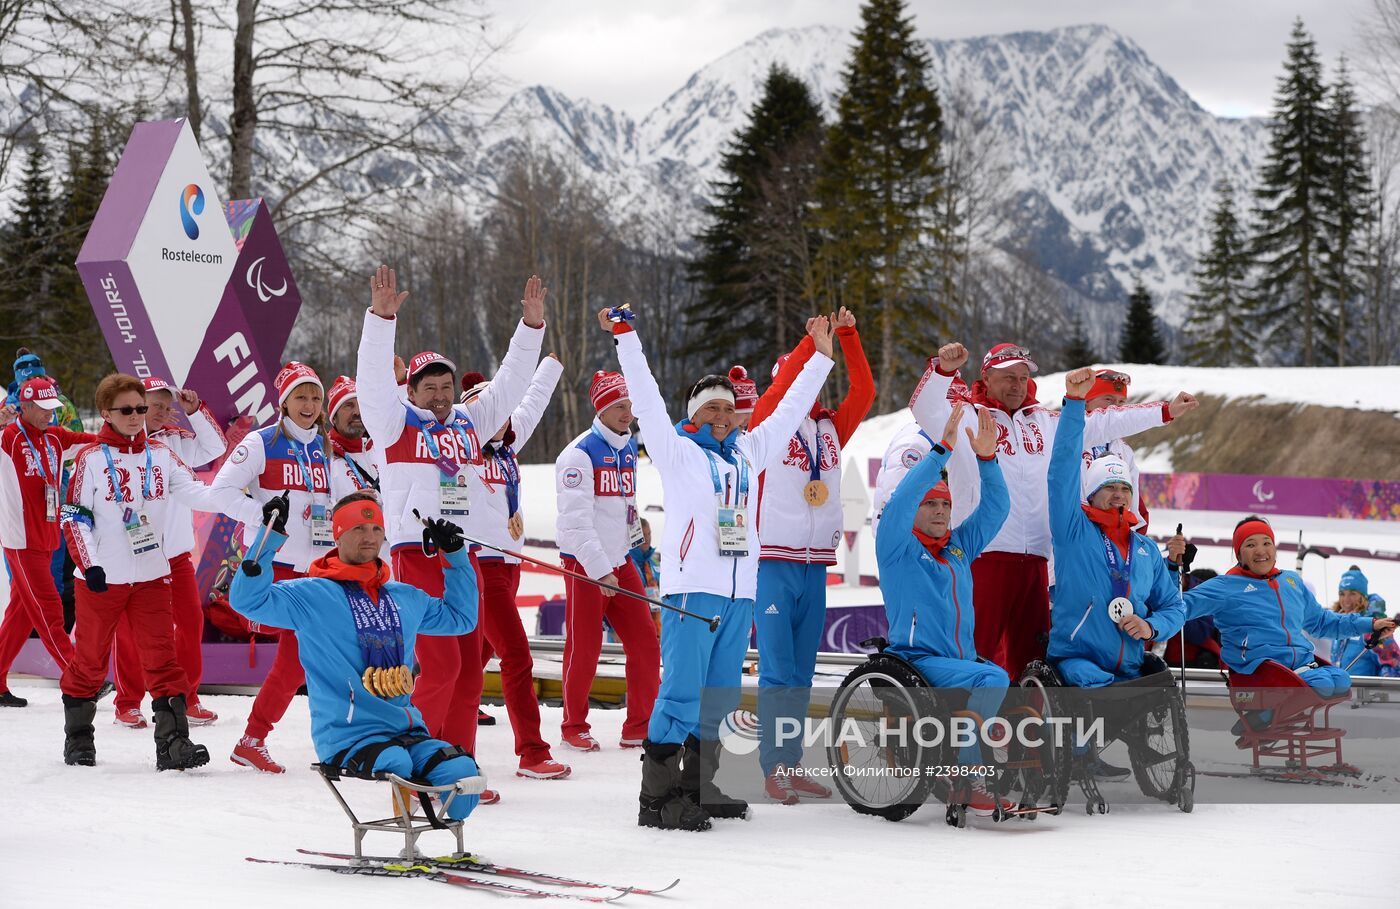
(1160, 752)
(1044, 772)
(879, 774)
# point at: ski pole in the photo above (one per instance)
(250, 566)
(712, 622)
(1183, 570)
(1370, 645)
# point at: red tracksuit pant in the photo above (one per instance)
(1011, 598)
(283, 679)
(448, 688)
(189, 633)
(34, 604)
(504, 634)
(146, 606)
(586, 606)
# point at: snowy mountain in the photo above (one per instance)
(1113, 162)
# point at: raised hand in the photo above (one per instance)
(384, 296)
(1182, 403)
(819, 327)
(950, 429)
(444, 534)
(843, 318)
(984, 444)
(400, 370)
(532, 303)
(603, 321)
(1079, 381)
(952, 356)
(189, 400)
(8, 414)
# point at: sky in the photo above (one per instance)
(632, 54)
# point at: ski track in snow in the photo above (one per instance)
(122, 835)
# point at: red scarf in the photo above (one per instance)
(109, 436)
(341, 444)
(978, 395)
(934, 546)
(1116, 525)
(370, 575)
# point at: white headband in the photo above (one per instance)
(705, 396)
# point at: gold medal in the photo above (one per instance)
(407, 675)
(368, 680)
(816, 493)
(516, 526)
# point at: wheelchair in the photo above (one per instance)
(1299, 729)
(891, 776)
(1147, 713)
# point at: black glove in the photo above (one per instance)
(277, 509)
(443, 534)
(96, 579)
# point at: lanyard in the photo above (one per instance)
(1118, 566)
(617, 453)
(303, 461)
(42, 462)
(433, 446)
(814, 467)
(510, 468)
(116, 485)
(361, 481)
(743, 467)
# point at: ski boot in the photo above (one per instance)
(698, 781)
(174, 750)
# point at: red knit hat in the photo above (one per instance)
(1108, 382)
(745, 389)
(1249, 529)
(342, 391)
(938, 492)
(292, 375)
(606, 389)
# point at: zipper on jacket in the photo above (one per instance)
(957, 607)
(350, 715)
(1287, 635)
(913, 625)
(1244, 645)
(1087, 610)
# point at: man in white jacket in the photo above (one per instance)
(203, 442)
(429, 443)
(497, 519)
(709, 476)
(597, 524)
(1011, 577)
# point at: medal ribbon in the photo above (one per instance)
(378, 628)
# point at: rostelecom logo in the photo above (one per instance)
(191, 204)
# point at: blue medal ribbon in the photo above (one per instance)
(303, 461)
(44, 464)
(814, 467)
(510, 468)
(1118, 566)
(378, 628)
(119, 489)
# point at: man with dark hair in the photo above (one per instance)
(356, 629)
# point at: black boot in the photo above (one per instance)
(78, 746)
(174, 750)
(9, 699)
(698, 781)
(662, 803)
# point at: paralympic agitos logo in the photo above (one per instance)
(191, 204)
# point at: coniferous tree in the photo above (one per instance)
(1221, 328)
(1141, 340)
(878, 196)
(755, 269)
(1290, 242)
(1347, 207)
(27, 249)
(1080, 351)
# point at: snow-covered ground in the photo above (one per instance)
(122, 835)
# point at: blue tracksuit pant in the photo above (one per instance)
(1329, 681)
(697, 662)
(408, 762)
(789, 614)
(987, 683)
(1082, 673)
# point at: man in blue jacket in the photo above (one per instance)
(1112, 589)
(357, 629)
(926, 576)
(1262, 611)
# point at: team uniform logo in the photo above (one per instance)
(572, 477)
(910, 457)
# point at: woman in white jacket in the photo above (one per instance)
(709, 476)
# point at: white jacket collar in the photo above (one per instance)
(304, 436)
(616, 440)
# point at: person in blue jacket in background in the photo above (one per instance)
(926, 577)
(1262, 611)
(1353, 654)
(356, 630)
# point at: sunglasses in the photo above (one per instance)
(128, 410)
(1117, 378)
(1010, 353)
